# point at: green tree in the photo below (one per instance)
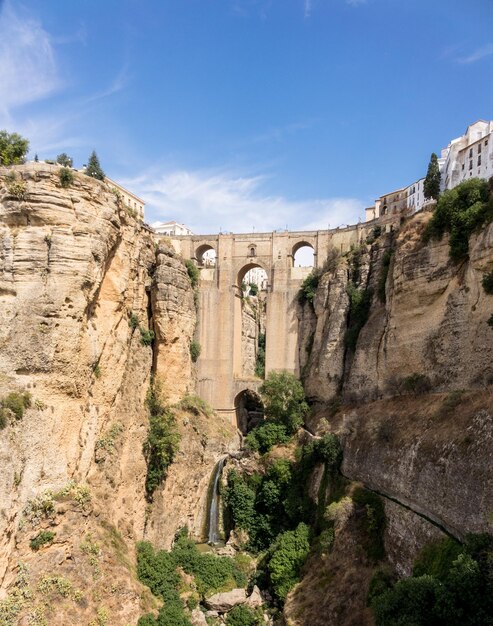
(432, 180)
(93, 167)
(284, 400)
(65, 160)
(288, 555)
(13, 148)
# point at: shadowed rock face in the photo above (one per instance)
(75, 270)
(432, 323)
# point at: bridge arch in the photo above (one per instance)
(249, 410)
(205, 255)
(303, 254)
(243, 271)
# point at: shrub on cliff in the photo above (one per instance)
(66, 177)
(284, 400)
(162, 443)
(13, 148)
(487, 283)
(17, 403)
(193, 272)
(242, 615)
(461, 211)
(454, 588)
(195, 350)
(287, 556)
(309, 288)
(359, 309)
(265, 436)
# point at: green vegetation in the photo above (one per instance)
(242, 615)
(416, 384)
(260, 359)
(452, 585)
(372, 522)
(43, 538)
(146, 336)
(359, 309)
(308, 288)
(288, 554)
(487, 283)
(265, 436)
(158, 570)
(195, 405)
(432, 180)
(14, 404)
(13, 148)
(195, 350)
(66, 177)
(284, 400)
(374, 235)
(17, 189)
(133, 322)
(65, 160)
(193, 272)
(93, 167)
(253, 289)
(386, 258)
(461, 211)
(163, 440)
(268, 504)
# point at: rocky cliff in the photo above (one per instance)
(410, 396)
(83, 287)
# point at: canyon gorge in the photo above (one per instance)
(395, 355)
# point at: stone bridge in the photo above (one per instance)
(219, 331)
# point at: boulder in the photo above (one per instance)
(224, 602)
(254, 599)
(198, 618)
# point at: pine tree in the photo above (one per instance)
(432, 180)
(94, 168)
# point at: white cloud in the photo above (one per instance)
(356, 3)
(28, 70)
(208, 201)
(308, 8)
(478, 54)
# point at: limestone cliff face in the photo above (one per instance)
(428, 454)
(81, 283)
(433, 321)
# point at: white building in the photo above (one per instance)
(130, 200)
(468, 156)
(415, 196)
(171, 229)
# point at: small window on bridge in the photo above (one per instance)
(253, 251)
(303, 255)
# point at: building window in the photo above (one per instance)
(252, 251)
(470, 165)
(470, 152)
(463, 166)
(486, 142)
(479, 160)
(479, 148)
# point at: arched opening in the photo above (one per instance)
(250, 322)
(252, 274)
(249, 410)
(206, 256)
(303, 255)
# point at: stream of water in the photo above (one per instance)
(213, 520)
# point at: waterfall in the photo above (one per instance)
(213, 513)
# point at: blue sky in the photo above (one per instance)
(247, 114)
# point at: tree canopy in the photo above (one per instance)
(64, 159)
(284, 400)
(93, 167)
(13, 148)
(432, 180)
